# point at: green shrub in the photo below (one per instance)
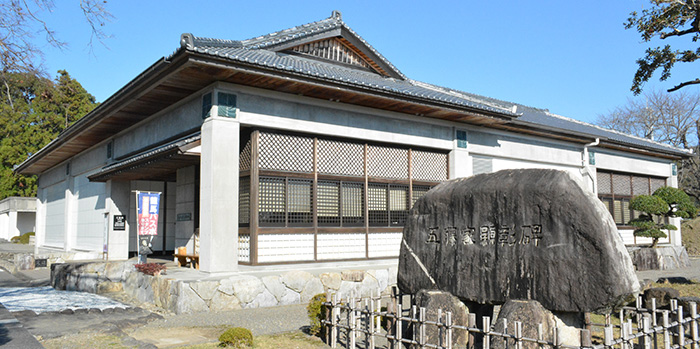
(237, 337)
(317, 312)
(24, 239)
(665, 202)
(15, 239)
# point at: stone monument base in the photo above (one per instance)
(660, 258)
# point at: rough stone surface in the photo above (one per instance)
(529, 313)
(353, 275)
(222, 302)
(189, 301)
(262, 300)
(246, 287)
(290, 297)
(312, 288)
(331, 280)
(382, 277)
(663, 296)
(275, 286)
(296, 280)
(660, 258)
(24, 261)
(109, 287)
(433, 300)
(530, 234)
(205, 289)
(685, 303)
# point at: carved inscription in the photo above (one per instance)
(487, 235)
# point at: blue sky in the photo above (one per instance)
(572, 57)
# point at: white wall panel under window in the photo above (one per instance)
(55, 214)
(285, 247)
(341, 246)
(384, 244)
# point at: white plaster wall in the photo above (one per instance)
(25, 222)
(185, 204)
(118, 204)
(90, 209)
(617, 161)
(55, 215)
(182, 116)
(5, 227)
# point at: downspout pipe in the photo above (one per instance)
(584, 164)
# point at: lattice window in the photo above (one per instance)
(376, 201)
(332, 49)
(640, 185)
(244, 248)
(387, 162)
(621, 184)
(244, 200)
(398, 204)
(286, 153)
(428, 166)
(328, 203)
(353, 203)
(341, 158)
(299, 194)
(604, 183)
(272, 201)
(418, 192)
(244, 158)
(657, 183)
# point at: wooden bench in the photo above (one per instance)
(182, 259)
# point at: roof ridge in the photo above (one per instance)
(617, 132)
(188, 40)
(258, 42)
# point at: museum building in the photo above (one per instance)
(303, 145)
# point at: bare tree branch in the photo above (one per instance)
(684, 84)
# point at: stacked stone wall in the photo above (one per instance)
(228, 293)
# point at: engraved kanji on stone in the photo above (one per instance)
(468, 236)
(451, 236)
(537, 233)
(487, 234)
(433, 236)
(503, 234)
(526, 235)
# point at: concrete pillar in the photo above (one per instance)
(118, 204)
(185, 207)
(70, 231)
(40, 233)
(218, 195)
(460, 163)
(12, 224)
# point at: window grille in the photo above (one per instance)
(461, 139)
(481, 164)
(376, 201)
(328, 203)
(621, 184)
(244, 158)
(341, 158)
(299, 202)
(657, 183)
(244, 200)
(640, 185)
(428, 166)
(206, 105)
(353, 204)
(398, 204)
(418, 192)
(604, 183)
(616, 190)
(244, 248)
(226, 104)
(285, 153)
(272, 201)
(387, 162)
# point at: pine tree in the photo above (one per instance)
(33, 111)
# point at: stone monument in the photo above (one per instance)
(528, 234)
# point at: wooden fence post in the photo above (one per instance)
(518, 335)
(399, 332)
(540, 335)
(608, 335)
(586, 341)
(351, 323)
(421, 327)
(334, 321)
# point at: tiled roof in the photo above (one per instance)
(256, 51)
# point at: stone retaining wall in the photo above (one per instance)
(229, 293)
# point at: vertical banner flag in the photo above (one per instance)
(148, 204)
